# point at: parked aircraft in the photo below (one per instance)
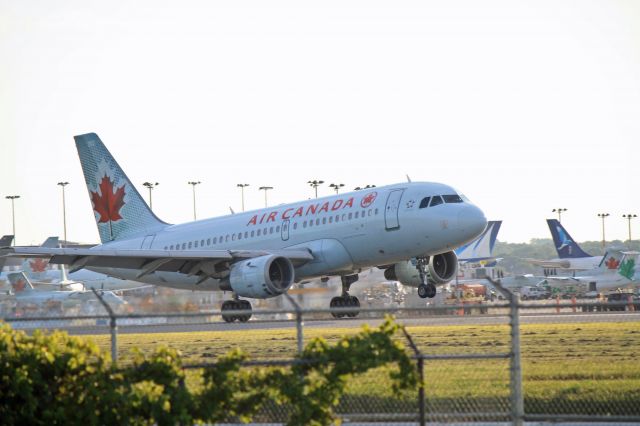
(480, 250)
(617, 270)
(26, 294)
(570, 255)
(259, 254)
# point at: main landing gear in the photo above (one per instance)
(346, 300)
(236, 305)
(426, 289)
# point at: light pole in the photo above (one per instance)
(358, 188)
(13, 214)
(559, 211)
(603, 216)
(626, 216)
(265, 189)
(336, 186)
(193, 187)
(150, 186)
(315, 184)
(242, 186)
(64, 211)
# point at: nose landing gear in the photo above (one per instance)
(346, 300)
(236, 305)
(426, 289)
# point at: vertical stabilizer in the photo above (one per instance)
(482, 247)
(119, 210)
(19, 282)
(566, 247)
(6, 240)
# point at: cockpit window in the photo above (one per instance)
(425, 202)
(435, 201)
(455, 198)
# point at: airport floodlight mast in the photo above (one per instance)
(64, 211)
(603, 216)
(559, 211)
(242, 186)
(315, 184)
(193, 186)
(629, 217)
(336, 186)
(13, 214)
(265, 189)
(358, 188)
(150, 186)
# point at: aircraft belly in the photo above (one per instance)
(163, 279)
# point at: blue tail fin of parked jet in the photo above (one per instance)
(120, 211)
(565, 245)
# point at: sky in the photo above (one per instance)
(523, 106)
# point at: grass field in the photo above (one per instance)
(567, 368)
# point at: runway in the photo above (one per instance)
(212, 323)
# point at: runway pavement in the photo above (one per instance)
(212, 323)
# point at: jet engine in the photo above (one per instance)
(261, 277)
(441, 269)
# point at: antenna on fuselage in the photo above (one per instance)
(408, 179)
(232, 212)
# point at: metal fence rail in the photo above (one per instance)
(491, 373)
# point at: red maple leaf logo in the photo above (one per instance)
(108, 204)
(612, 263)
(38, 265)
(19, 285)
(368, 199)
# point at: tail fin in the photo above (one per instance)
(565, 246)
(51, 242)
(612, 259)
(482, 247)
(119, 209)
(6, 240)
(19, 282)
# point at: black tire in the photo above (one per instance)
(355, 303)
(423, 291)
(431, 291)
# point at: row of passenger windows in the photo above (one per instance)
(270, 230)
(438, 199)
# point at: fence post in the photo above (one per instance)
(517, 397)
(299, 323)
(421, 398)
(112, 325)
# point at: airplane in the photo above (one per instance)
(617, 270)
(259, 254)
(570, 255)
(26, 294)
(480, 250)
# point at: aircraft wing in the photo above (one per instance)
(191, 262)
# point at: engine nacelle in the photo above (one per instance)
(261, 277)
(441, 269)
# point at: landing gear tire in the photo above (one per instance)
(426, 290)
(345, 301)
(236, 305)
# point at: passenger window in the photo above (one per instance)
(357, 214)
(208, 241)
(350, 216)
(189, 244)
(246, 234)
(324, 220)
(311, 223)
(425, 202)
(239, 235)
(330, 219)
(318, 221)
(171, 247)
(435, 201)
(259, 232)
(202, 243)
(337, 218)
(215, 239)
(253, 233)
(195, 244)
(455, 198)
(278, 228)
(264, 231)
(184, 246)
(376, 212)
(226, 238)
(304, 224)
(233, 237)
(364, 213)
(295, 225)
(271, 230)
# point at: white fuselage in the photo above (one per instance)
(345, 232)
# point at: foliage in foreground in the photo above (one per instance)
(58, 379)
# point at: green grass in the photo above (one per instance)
(567, 368)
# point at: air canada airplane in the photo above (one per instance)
(259, 254)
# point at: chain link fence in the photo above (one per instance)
(502, 361)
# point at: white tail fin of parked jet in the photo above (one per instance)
(119, 210)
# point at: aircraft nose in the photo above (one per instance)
(471, 220)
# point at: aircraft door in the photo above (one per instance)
(285, 230)
(148, 240)
(391, 210)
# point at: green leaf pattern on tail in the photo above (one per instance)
(627, 269)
